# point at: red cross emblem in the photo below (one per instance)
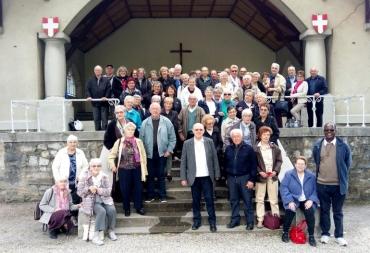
(320, 22)
(50, 26)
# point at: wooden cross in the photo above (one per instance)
(181, 51)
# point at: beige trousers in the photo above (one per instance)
(272, 192)
(295, 111)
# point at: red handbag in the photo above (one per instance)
(297, 233)
(271, 221)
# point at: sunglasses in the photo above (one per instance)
(227, 94)
(329, 130)
(234, 71)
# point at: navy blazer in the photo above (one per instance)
(291, 188)
(94, 90)
(317, 85)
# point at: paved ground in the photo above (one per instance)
(20, 233)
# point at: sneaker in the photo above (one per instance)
(112, 235)
(341, 241)
(101, 235)
(163, 200)
(324, 239)
(96, 240)
(149, 200)
(260, 224)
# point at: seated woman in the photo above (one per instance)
(298, 190)
(131, 168)
(94, 189)
(56, 205)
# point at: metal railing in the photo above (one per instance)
(28, 104)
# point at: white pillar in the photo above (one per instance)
(314, 51)
(55, 64)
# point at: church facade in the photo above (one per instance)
(218, 34)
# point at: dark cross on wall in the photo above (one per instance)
(181, 51)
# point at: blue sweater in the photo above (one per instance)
(291, 188)
(344, 161)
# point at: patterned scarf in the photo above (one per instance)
(132, 141)
(62, 200)
(296, 86)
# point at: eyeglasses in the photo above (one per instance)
(198, 129)
(263, 110)
(234, 71)
(329, 130)
(95, 166)
(119, 112)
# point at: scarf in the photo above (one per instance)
(97, 180)
(62, 200)
(132, 141)
(224, 105)
(296, 86)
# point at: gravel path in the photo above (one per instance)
(20, 233)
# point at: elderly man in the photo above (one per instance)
(158, 135)
(234, 78)
(190, 89)
(98, 87)
(199, 168)
(316, 86)
(177, 70)
(144, 86)
(333, 160)
(247, 127)
(246, 85)
(131, 90)
(242, 72)
(276, 88)
(241, 167)
(188, 116)
(291, 79)
(204, 80)
(214, 78)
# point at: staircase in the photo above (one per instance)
(176, 215)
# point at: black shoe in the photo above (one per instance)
(127, 213)
(53, 234)
(140, 211)
(249, 227)
(312, 241)
(285, 237)
(195, 226)
(169, 178)
(233, 224)
(212, 228)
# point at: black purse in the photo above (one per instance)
(281, 105)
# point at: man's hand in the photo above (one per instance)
(308, 204)
(184, 183)
(292, 206)
(249, 185)
(316, 95)
(104, 98)
(89, 98)
(167, 154)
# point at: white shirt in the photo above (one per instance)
(200, 159)
(302, 197)
(332, 142)
(185, 93)
(211, 106)
(266, 152)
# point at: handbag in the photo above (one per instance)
(37, 213)
(271, 221)
(297, 233)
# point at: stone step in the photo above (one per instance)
(176, 182)
(185, 192)
(175, 171)
(187, 229)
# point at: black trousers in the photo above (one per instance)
(309, 215)
(131, 188)
(75, 198)
(203, 185)
(100, 114)
(319, 112)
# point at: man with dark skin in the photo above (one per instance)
(333, 160)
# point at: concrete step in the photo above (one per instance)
(176, 182)
(187, 229)
(185, 192)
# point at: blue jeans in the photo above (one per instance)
(238, 190)
(203, 185)
(156, 169)
(329, 195)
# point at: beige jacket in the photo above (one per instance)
(301, 91)
(280, 85)
(115, 153)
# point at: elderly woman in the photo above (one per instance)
(226, 102)
(298, 190)
(119, 83)
(164, 78)
(224, 83)
(130, 113)
(247, 103)
(95, 189)
(300, 91)
(265, 119)
(269, 161)
(130, 166)
(256, 82)
(68, 163)
(247, 127)
(209, 105)
(56, 205)
(227, 124)
(212, 132)
(171, 92)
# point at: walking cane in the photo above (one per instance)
(90, 217)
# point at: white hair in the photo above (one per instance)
(98, 67)
(178, 66)
(129, 124)
(156, 99)
(95, 161)
(236, 131)
(276, 65)
(198, 125)
(247, 112)
(72, 138)
(128, 97)
(119, 108)
(247, 76)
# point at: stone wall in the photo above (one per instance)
(26, 158)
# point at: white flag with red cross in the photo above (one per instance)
(50, 26)
(320, 22)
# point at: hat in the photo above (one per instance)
(130, 79)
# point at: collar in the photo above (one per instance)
(198, 141)
(334, 142)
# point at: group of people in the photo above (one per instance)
(286, 96)
(236, 144)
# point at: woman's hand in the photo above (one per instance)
(182, 137)
(308, 204)
(263, 174)
(273, 174)
(114, 168)
(93, 189)
(292, 206)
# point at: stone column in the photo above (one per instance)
(55, 64)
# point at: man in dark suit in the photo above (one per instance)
(291, 79)
(316, 86)
(200, 174)
(98, 87)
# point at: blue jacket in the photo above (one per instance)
(166, 137)
(135, 117)
(317, 84)
(241, 160)
(344, 161)
(291, 188)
